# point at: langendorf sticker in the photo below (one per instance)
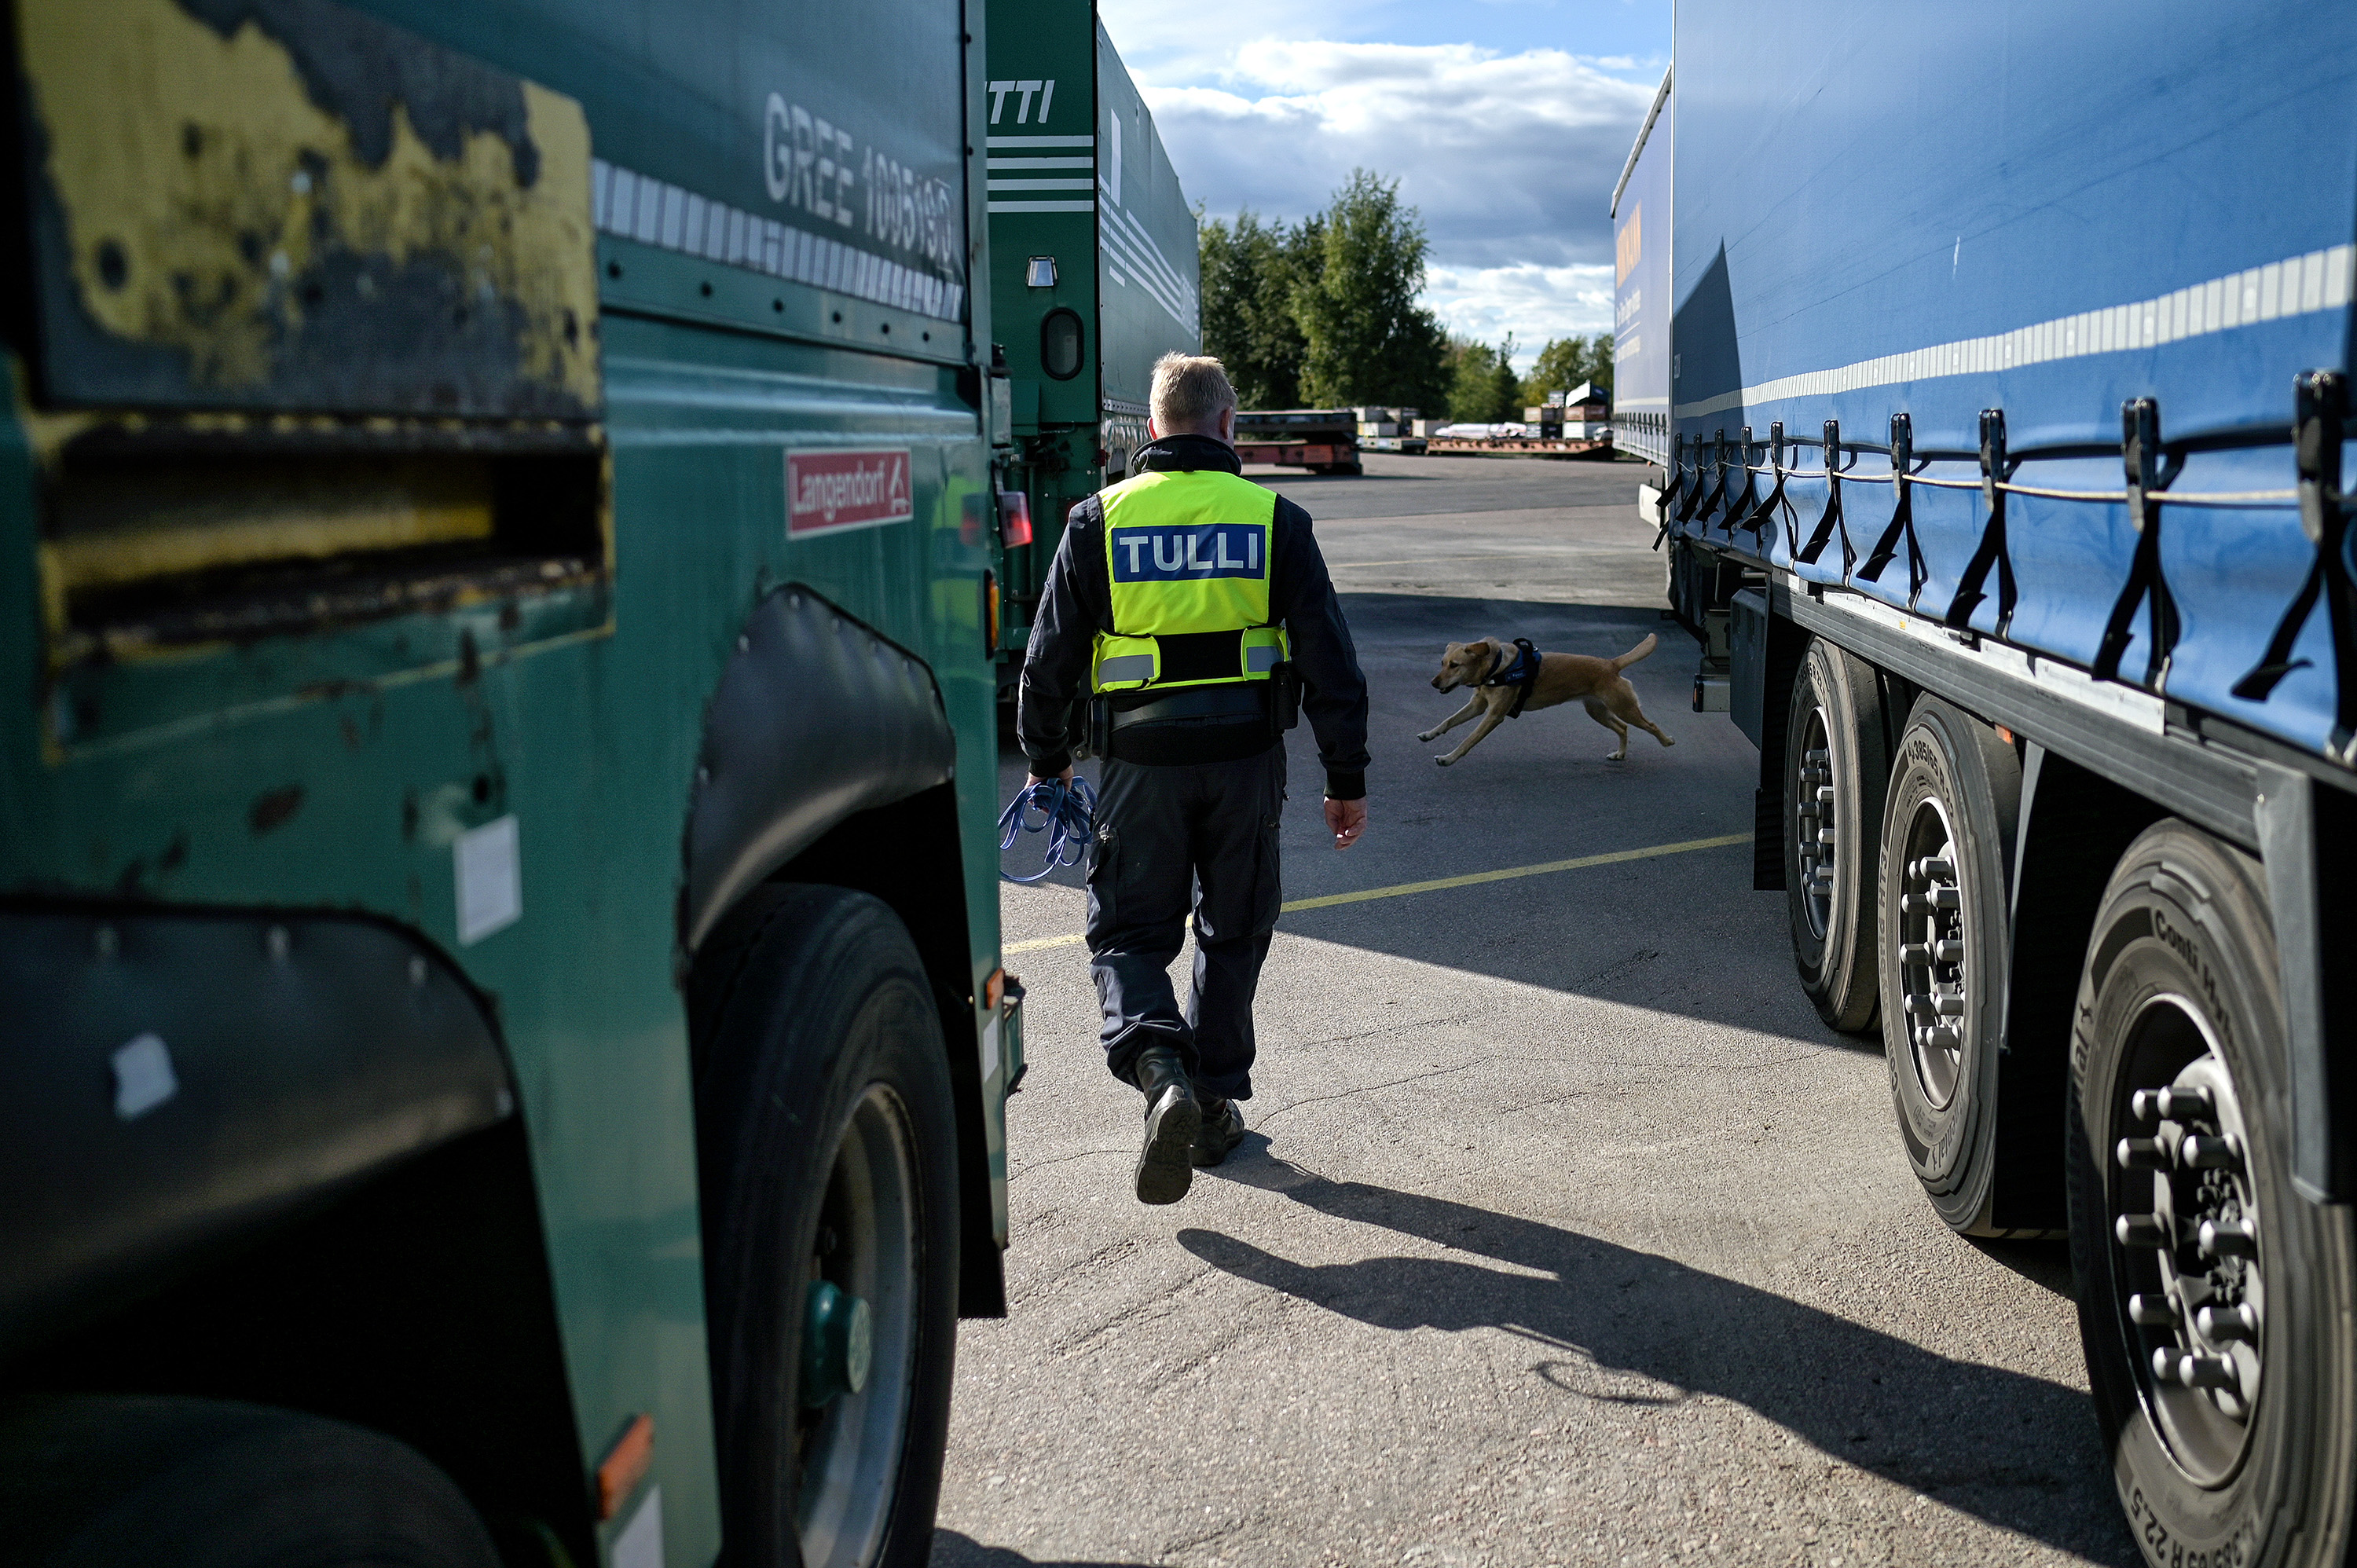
(832, 492)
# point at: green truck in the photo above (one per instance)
(505, 1047)
(1094, 274)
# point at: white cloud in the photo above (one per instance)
(1535, 303)
(1508, 154)
(1509, 158)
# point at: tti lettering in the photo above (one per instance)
(1173, 554)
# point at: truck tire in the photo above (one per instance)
(1836, 769)
(93, 1482)
(1948, 824)
(828, 1142)
(2221, 1363)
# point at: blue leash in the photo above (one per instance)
(1066, 813)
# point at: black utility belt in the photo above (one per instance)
(1164, 727)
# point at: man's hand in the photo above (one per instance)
(1066, 776)
(1346, 820)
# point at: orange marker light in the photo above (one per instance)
(2005, 734)
(626, 1464)
(993, 989)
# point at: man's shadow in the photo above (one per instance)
(1629, 1329)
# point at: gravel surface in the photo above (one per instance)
(1564, 1232)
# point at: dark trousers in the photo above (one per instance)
(1201, 836)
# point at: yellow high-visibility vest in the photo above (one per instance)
(1188, 556)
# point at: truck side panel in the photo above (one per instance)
(1846, 252)
(506, 768)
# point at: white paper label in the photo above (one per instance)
(490, 884)
(641, 1543)
(143, 1078)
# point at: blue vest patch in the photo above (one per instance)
(1170, 554)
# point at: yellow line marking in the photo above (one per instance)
(1470, 879)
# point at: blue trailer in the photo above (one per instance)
(2006, 396)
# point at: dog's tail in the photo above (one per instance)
(1635, 653)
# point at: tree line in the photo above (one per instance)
(1324, 314)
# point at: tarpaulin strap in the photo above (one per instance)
(1991, 551)
(1747, 500)
(1902, 515)
(1700, 504)
(1670, 494)
(1765, 518)
(2140, 453)
(1832, 520)
(2321, 411)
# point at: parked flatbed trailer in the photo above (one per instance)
(2012, 516)
(1598, 450)
(1322, 440)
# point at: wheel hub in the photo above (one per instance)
(859, 1337)
(1931, 967)
(1815, 825)
(838, 1342)
(2187, 1216)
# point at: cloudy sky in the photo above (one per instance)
(1505, 122)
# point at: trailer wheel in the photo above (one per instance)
(90, 1481)
(828, 1141)
(1954, 792)
(2212, 1299)
(1835, 772)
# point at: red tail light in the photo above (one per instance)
(1015, 517)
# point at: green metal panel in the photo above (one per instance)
(1147, 248)
(578, 712)
(1078, 176)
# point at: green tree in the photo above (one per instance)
(1251, 271)
(1565, 363)
(1367, 340)
(1483, 386)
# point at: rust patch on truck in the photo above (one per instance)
(285, 205)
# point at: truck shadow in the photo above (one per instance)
(952, 1549)
(1630, 1331)
(1684, 934)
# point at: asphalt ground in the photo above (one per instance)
(1564, 1232)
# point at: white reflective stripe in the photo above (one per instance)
(1126, 667)
(2319, 280)
(1040, 142)
(1262, 657)
(1043, 206)
(639, 207)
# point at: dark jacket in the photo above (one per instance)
(1076, 603)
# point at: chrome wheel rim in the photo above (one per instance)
(1934, 980)
(1815, 825)
(2187, 1238)
(866, 1247)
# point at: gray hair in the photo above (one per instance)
(1190, 392)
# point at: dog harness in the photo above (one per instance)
(1187, 555)
(1522, 673)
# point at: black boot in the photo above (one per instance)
(1172, 1119)
(1223, 1129)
